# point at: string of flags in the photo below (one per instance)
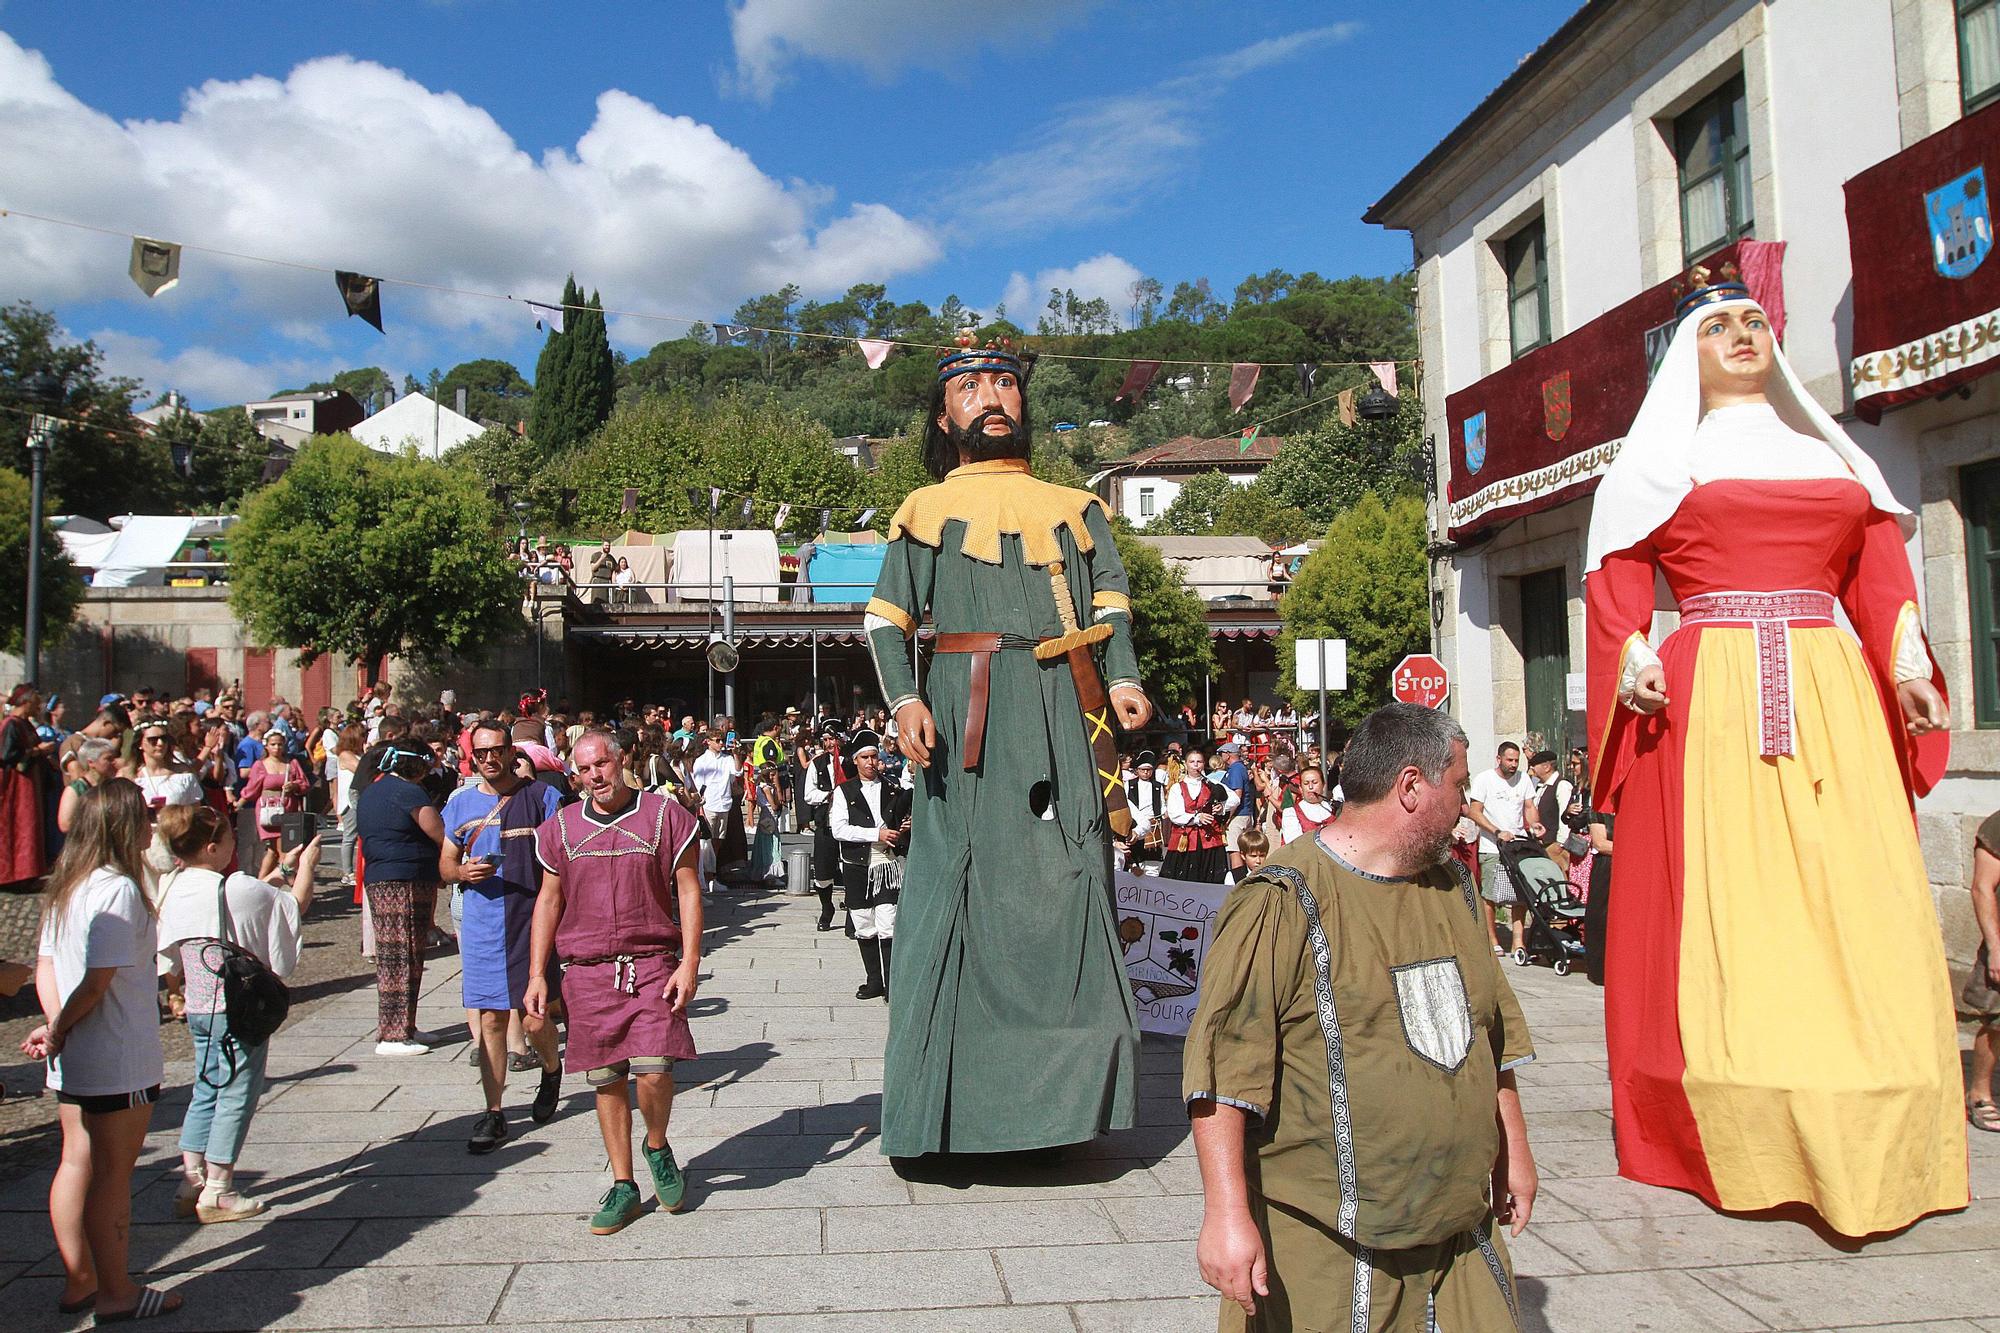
(155, 267)
(742, 507)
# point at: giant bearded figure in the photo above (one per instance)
(1776, 1003)
(1011, 1025)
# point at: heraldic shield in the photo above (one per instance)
(1961, 224)
(1437, 1017)
(1556, 411)
(1475, 441)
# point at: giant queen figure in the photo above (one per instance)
(1011, 1024)
(1777, 1011)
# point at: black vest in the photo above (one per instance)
(895, 809)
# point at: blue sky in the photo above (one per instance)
(681, 157)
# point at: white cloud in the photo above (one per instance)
(1104, 275)
(1100, 157)
(882, 37)
(206, 376)
(345, 162)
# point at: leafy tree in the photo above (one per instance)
(1195, 507)
(1169, 629)
(62, 586)
(99, 464)
(498, 457)
(494, 390)
(1252, 511)
(1145, 294)
(368, 384)
(1325, 471)
(575, 377)
(225, 459)
(1368, 585)
(1194, 303)
(364, 554)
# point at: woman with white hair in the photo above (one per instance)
(1777, 1011)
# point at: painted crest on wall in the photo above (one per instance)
(1475, 442)
(1556, 411)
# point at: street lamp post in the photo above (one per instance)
(43, 387)
(521, 511)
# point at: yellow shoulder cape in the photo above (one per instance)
(992, 498)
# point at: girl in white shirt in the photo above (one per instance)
(101, 1040)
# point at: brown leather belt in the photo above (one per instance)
(982, 647)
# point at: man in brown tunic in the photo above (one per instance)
(1349, 1067)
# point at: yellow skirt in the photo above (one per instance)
(1815, 1009)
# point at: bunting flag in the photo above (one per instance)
(1242, 383)
(1385, 375)
(1249, 438)
(183, 455)
(1308, 373)
(867, 517)
(725, 334)
(825, 519)
(749, 507)
(361, 294)
(630, 504)
(1347, 417)
(1762, 263)
(874, 351)
(1137, 379)
(715, 499)
(550, 316)
(778, 519)
(694, 498)
(156, 265)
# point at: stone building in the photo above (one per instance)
(1648, 135)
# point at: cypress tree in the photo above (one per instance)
(575, 377)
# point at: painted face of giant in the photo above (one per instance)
(982, 414)
(1734, 348)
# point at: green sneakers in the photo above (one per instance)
(617, 1209)
(669, 1182)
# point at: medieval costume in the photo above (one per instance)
(826, 772)
(619, 937)
(1361, 1023)
(495, 913)
(871, 872)
(1776, 1004)
(1195, 851)
(25, 776)
(1146, 797)
(1012, 1026)
(1301, 818)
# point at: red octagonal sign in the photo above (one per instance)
(1420, 679)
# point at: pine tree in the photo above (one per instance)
(575, 378)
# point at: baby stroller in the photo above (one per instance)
(1555, 916)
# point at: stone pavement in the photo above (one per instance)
(795, 1223)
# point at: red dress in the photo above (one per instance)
(22, 777)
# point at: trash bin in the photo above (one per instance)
(799, 871)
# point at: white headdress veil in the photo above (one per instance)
(1650, 477)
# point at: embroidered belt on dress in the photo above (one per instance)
(624, 967)
(1772, 615)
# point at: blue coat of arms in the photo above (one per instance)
(1475, 442)
(1961, 224)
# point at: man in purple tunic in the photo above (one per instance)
(621, 904)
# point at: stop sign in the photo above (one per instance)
(1419, 679)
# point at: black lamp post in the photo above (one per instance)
(42, 387)
(1376, 405)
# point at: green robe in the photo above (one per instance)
(1011, 1025)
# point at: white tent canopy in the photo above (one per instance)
(1218, 566)
(432, 427)
(134, 556)
(749, 556)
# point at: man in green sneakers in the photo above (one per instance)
(621, 904)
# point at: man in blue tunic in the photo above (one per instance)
(1011, 1024)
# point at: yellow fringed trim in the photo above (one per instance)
(992, 498)
(1082, 638)
(892, 613)
(1111, 601)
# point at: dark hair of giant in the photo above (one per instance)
(1390, 739)
(941, 453)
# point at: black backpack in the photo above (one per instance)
(253, 997)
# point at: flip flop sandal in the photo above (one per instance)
(77, 1306)
(152, 1304)
(1983, 1114)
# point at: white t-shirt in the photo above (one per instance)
(713, 774)
(169, 789)
(1503, 801)
(116, 1048)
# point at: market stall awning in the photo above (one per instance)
(1920, 236)
(1541, 432)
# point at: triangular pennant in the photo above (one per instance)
(630, 504)
(1385, 375)
(874, 351)
(867, 517)
(156, 265)
(361, 294)
(1136, 381)
(749, 507)
(825, 519)
(1249, 438)
(1308, 373)
(550, 316)
(1242, 383)
(1347, 417)
(778, 519)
